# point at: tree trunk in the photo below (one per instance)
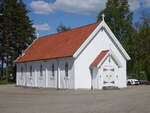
(2, 68)
(7, 74)
(147, 71)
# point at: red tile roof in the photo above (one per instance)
(99, 58)
(57, 45)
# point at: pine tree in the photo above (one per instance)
(1, 39)
(138, 48)
(62, 28)
(23, 31)
(118, 17)
(16, 30)
(143, 44)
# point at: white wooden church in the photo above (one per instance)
(82, 58)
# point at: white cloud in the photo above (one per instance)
(147, 3)
(42, 27)
(72, 6)
(41, 7)
(134, 4)
(80, 6)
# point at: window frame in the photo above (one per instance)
(41, 71)
(66, 70)
(21, 73)
(53, 70)
(31, 69)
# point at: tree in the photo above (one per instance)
(1, 59)
(16, 30)
(118, 17)
(62, 28)
(138, 48)
(143, 44)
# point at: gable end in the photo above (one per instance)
(104, 26)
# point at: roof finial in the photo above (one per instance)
(103, 17)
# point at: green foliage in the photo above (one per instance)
(4, 82)
(62, 28)
(139, 49)
(143, 44)
(16, 31)
(118, 17)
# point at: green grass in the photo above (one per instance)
(4, 82)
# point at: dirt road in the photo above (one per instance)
(31, 100)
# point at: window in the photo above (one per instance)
(30, 72)
(41, 70)
(104, 69)
(66, 69)
(111, 69)
(53, 70)
(109, 58)
(21, 73)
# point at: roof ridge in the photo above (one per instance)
(46, 47)
(69, 30)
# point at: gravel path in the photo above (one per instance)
(134, 99)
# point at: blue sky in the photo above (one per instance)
(47, 15)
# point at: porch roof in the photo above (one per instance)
(99, 58)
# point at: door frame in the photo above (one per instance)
(109, 68)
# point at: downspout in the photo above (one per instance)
(91, 79)
(58, 75)
(26, 75)
(46, 76)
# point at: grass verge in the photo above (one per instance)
(4, 82)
